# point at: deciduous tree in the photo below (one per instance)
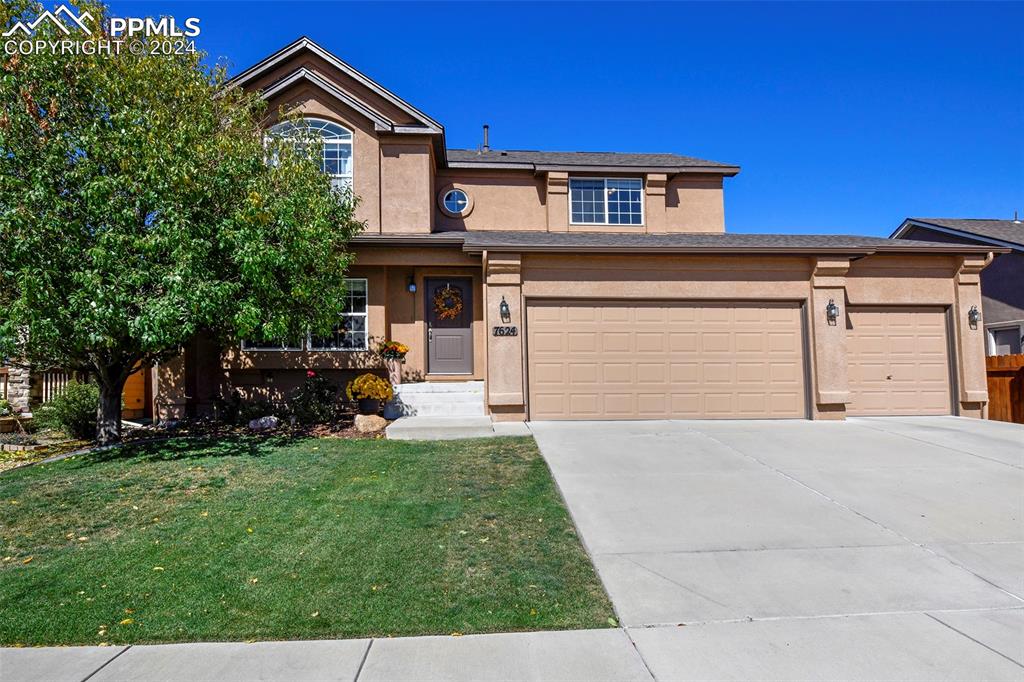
(141, 202)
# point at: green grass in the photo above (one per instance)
(249, 539)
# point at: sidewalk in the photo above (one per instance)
(566, 655)
(894, 646)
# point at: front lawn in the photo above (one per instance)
(315, 538)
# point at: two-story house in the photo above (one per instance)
(599, 285)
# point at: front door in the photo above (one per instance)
(449, 325)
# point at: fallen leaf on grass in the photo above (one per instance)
(27, 560)
(158, 568)
(127, 621)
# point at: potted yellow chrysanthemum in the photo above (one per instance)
(369, 390)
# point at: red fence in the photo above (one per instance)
(1006, 387)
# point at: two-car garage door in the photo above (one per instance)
(664, 360)
(680, 360)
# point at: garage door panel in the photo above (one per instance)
(898, 361)
(669, 360)
(683, 342)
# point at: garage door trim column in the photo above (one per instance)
(973, 389)
(831, 384)
(505, 383)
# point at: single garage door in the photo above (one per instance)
(899, 361)
(664, 360)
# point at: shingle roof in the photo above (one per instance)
(615, 242)
(1010, 231)
(518, 158)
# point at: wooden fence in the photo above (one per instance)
(53, 382)
(1006, 387)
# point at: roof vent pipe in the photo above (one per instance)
(487, 138)
(1015, 219)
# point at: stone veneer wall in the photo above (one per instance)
(18, 385)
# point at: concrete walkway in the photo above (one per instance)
(870, 549)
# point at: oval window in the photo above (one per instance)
(456, 201)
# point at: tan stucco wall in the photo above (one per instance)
(406, 185)
(878, 280)
(502, 200)
(947, 281)
(522, 200)
(695, 203)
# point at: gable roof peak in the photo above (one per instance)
(305, 43)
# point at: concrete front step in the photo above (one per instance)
(441, 387)
(455, 399)
(442, 405)
(439, 428)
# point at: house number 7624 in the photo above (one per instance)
(506, 331)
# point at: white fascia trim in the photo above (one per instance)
(907, 224)
(380, 122)
(432, 125)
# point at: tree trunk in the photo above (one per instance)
(108, 413)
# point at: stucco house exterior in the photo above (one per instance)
(1002, 282)
(598, 285)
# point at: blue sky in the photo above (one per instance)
(844, 117)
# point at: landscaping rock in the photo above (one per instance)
(264, 423)
(368, 423)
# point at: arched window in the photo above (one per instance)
(337, 154)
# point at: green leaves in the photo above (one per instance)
(137, 208)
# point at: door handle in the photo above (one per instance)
(430, 335)
(889, 377)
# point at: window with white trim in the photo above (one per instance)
(1006, 340)
(336, 158)
(606, 201)
(351, 333)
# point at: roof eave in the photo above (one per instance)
(728, 171)
(724, 250)
(913, 222)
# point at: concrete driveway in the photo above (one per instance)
(871, 548)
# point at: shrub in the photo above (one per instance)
(5, 408)
(235, 410)
(314, 402)
(369, 386)
(73, 411)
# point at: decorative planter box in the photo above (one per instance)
(8, 424)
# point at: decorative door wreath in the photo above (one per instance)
(448, 303)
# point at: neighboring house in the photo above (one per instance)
(584, 285)
(1002, 282)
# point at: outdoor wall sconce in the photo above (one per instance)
(831, 312)
(411, 286)
(973, 317)
(504, 311)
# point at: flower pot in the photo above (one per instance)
(369, 406)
